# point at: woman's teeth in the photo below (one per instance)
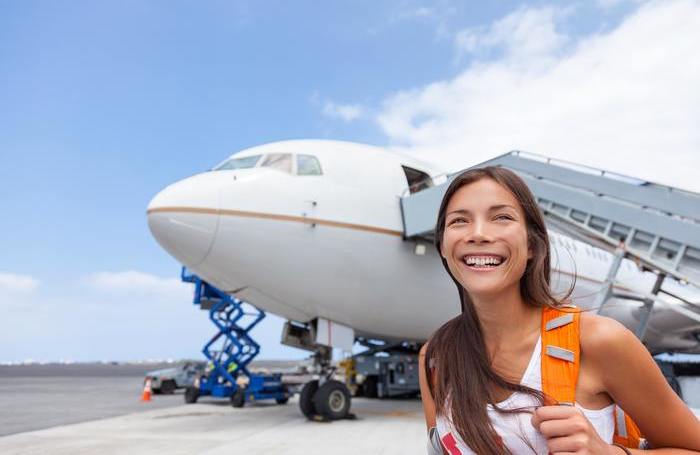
(483, 261)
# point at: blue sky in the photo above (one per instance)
(102, 104)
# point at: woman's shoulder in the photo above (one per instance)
(603, 338)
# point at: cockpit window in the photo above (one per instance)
(417, 180)
(308, 165)
(279, 161)
(245, 162)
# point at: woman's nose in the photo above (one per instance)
(479, 232)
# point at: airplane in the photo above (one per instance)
(312, 231)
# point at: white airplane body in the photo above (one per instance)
(304, 245)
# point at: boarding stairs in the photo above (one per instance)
(655, 225)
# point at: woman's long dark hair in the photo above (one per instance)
(465, 380)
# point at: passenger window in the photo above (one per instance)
(245, 162)
(308, 165)
(417, 180)
(279, 161)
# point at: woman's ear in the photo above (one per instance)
(530, 254)
(440, 250)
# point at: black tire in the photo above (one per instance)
(306, 399)
(282, 400)
(168, 387)
(332, 400)
(191, 394)
(238, 398)
(369, 387)
(156, 391)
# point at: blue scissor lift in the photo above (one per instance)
(231, 350)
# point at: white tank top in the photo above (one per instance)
(516, 429)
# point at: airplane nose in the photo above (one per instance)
(184, 218)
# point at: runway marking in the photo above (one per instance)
(272, 216)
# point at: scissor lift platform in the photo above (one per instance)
(231, 350)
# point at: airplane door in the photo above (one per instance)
(308, 170)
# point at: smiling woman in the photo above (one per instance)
(488, 381)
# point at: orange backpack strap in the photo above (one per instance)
(626, 431)
(561, 354)
(561, 359)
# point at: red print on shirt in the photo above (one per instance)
(451, 444)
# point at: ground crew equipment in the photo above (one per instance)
(146, 395)
(231, 350)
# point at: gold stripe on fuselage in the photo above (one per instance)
(306, 220)
(272, 216)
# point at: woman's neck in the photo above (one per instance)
(506, 319)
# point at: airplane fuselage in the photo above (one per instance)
(331, 245)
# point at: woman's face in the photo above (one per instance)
(485, 238)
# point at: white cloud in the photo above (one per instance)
(12, 283)
(524, 35)
(133, 282)
(419, 12)
(124, 315)
(346, 112)
(437, 16)
(625, 100)
(607, 4)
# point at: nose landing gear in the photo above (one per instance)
(325, 399)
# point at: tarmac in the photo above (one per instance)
(87, 409)
(28, 404)
(384, 427)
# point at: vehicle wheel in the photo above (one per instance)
(238, 398)
(156, 391)
(191, 394)
(282, 400)
(306, 399)
(369, 387)
(168, 387)
(332, 400)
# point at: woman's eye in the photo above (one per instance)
(504, 217)
(457, 220)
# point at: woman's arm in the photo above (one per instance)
(634, 381)
(426, 398)
(434, 444)
(630, 376)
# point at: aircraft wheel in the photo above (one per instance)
(238, 398)
(332, 400)
(191, 394)
(306, 399)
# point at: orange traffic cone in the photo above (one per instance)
(146, 395)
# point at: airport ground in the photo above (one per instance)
(75, 414)
(85, 409)
(34, 397)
